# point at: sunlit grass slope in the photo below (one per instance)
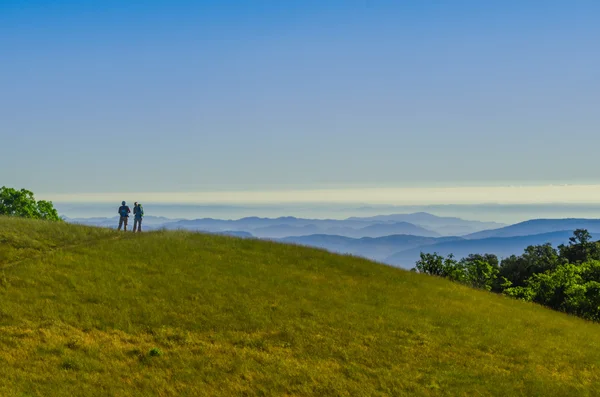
(87, 311)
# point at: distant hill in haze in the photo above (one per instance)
(373, 248)
(500, 246)
(395, 239)
(386, 229)
(419, 224)
(375, 230)
(275, 231)
(538, 226)
(445, 226)
(404, 250)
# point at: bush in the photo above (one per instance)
(436, 265)
(478, 271)
(155, 352)
(570, 288)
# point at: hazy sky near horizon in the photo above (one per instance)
(186, 96)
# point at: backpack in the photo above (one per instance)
(123, 211)
(140, 211)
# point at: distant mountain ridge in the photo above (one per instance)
(378, 248)
(290, 226)
(390, 239)
(538, 226)
(499, 246)
(404, 250)
(419, 224)
(445, 226)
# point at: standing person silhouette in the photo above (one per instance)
(124, 212)
(138, 214)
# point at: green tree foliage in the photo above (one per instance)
(437, 265)
(570, 288)
(580, 248)
(567, 279)
(480, 271)
(535, 259)
(22, 203)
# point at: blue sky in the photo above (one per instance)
(114, 97)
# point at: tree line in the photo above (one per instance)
(566, 279)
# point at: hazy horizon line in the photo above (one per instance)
(473, 195)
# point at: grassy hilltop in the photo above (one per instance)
(87, 311)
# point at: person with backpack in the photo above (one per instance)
(124, 212)
(138, 213)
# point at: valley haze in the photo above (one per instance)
(394, 239)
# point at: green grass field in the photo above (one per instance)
(87, 311)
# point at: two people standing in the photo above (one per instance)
(138, 214)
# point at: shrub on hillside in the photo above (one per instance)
(22, 203)
(437, 265)
(570, 288)
(478, 271)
